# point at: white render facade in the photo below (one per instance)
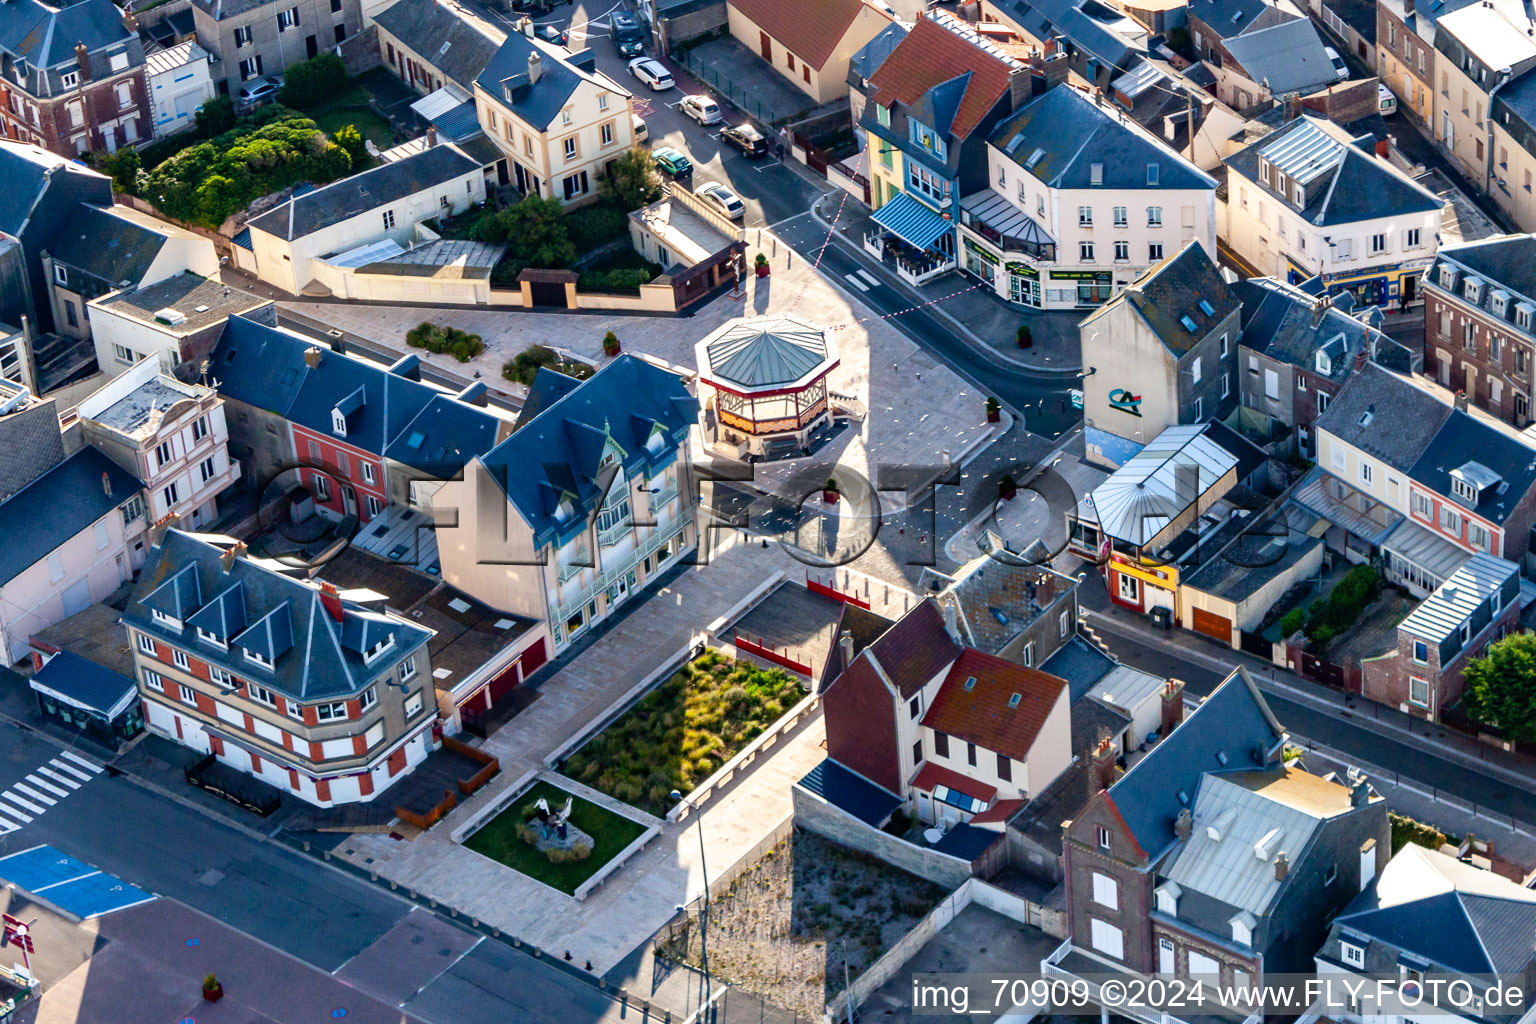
(1042, 244)
(169, 434)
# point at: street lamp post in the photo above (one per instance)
(708, 1014)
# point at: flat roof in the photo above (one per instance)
(688, 237)
(201, 300)
(140, 412)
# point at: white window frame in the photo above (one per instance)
(1351, 954)
(1106, 891)
(331, 711)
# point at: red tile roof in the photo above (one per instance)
(931, 55)
(982, 716)
(1000, 811)
(811, 29)
(937, 775)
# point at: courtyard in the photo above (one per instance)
(501, 838)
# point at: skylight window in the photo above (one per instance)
(1188, 322)
(970, 683)
(1034, 158)
(414, 441)
(1207, 308)
(1013, 701)
(1154, 173)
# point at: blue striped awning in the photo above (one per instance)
(912, 220)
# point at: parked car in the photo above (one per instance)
(627, 34)
(640, 130)
(652, 73)
(702, 109)
(1339, 67)
(536, 6)
(746, 138)
(1385, 99)
(722, 199)
(671, 161)
(257, 92)
(553, 33)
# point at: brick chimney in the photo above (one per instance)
(1359, 792)
(431, 136)
(230, 555)
(1184, 825)
(1408, 8)
(312, 356)
(1173, 706)
(1282, 866)
(157, 529)
(535, 67)
(1360, 360)
(1103, 765)
(331, 599)
(1461, 401)
(130, 22)
(106, 485)
(83, 57)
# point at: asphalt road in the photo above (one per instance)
(1350, 736)
(288, 900)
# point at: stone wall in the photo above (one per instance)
(816, 814)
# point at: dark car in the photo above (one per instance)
(627, 34)
(535, 6)
(746, 138)
(552, 33)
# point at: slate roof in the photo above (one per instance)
(1066, 19)
(1081, 664)
(1402, 422)
(1234, 722)
(314, 656)
(987, 712)
(811, 29)
(1462, 437)
(264, 367)
(82, 683)
(359, 193)
(1061, 136)
(555, 456)
(1277, 321)
(1458, 917)
(850, 792)
(24, 177)
(62, 502)
(873, 53)
(1174, 289)
(453, 45)
(913, 651)
(1362, 187)
(1229, 17)
(45, 36)
(110, 248)
(1504, 263)
(1288, 57)
(766, 352)
(932, 55)
(560, 75)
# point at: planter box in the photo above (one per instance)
(214, 994)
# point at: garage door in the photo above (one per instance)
(77, 598)
(1213, 625)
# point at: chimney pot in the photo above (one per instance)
(1359, 792)
(1104, 764)
(230, 554)
(1282, 866)
(1184, 824)
(1461, 401)
(431, 136)
(312, 356)
(106, 484)
(330, 598)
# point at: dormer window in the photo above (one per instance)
(657, 443)
(1242, 930)
(1447, 277)
(338, 423)
(207, 637)
(1351, 954)
(379, 648)
(164, 619)
(1498, 302)
(1463, 489)
(1473, 290)
(1168, 900)
(256, 658)
(1324, 364)
(1523, 315)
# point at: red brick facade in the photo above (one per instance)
(345, 467)
(1459, 345)
(105, 116)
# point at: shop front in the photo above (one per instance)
(1082, 287)
(1394, 286)
(1005, 248)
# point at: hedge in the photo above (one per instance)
(621, 279)
(1330, 616)
(462, 345)
(1406, 830)
(525, 365)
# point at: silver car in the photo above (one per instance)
(722, 199)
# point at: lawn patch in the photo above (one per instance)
(498, 839)
(680, 733)
(523, 367)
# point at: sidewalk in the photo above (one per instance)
(981, 317)
(1512, 769)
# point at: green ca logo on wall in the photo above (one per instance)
(1123, 400)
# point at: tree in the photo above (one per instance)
(216, 116)
(535, 231)
(123, 167)
(1501, 687)
(312, 82)
(631, 180)
(351, 140)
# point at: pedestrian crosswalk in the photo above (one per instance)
(44, 788)
(863, 280)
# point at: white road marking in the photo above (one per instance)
(871, 278)
(860, 285)
(19, 802)
(33, 794)
(59, 777)
(47, 786)
(66, 881)
(8, 826)
(90, 766)
(65, 767)
(766, 164)
(13, 812)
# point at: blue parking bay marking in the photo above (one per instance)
(70, 884)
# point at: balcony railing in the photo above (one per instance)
(655, 539)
